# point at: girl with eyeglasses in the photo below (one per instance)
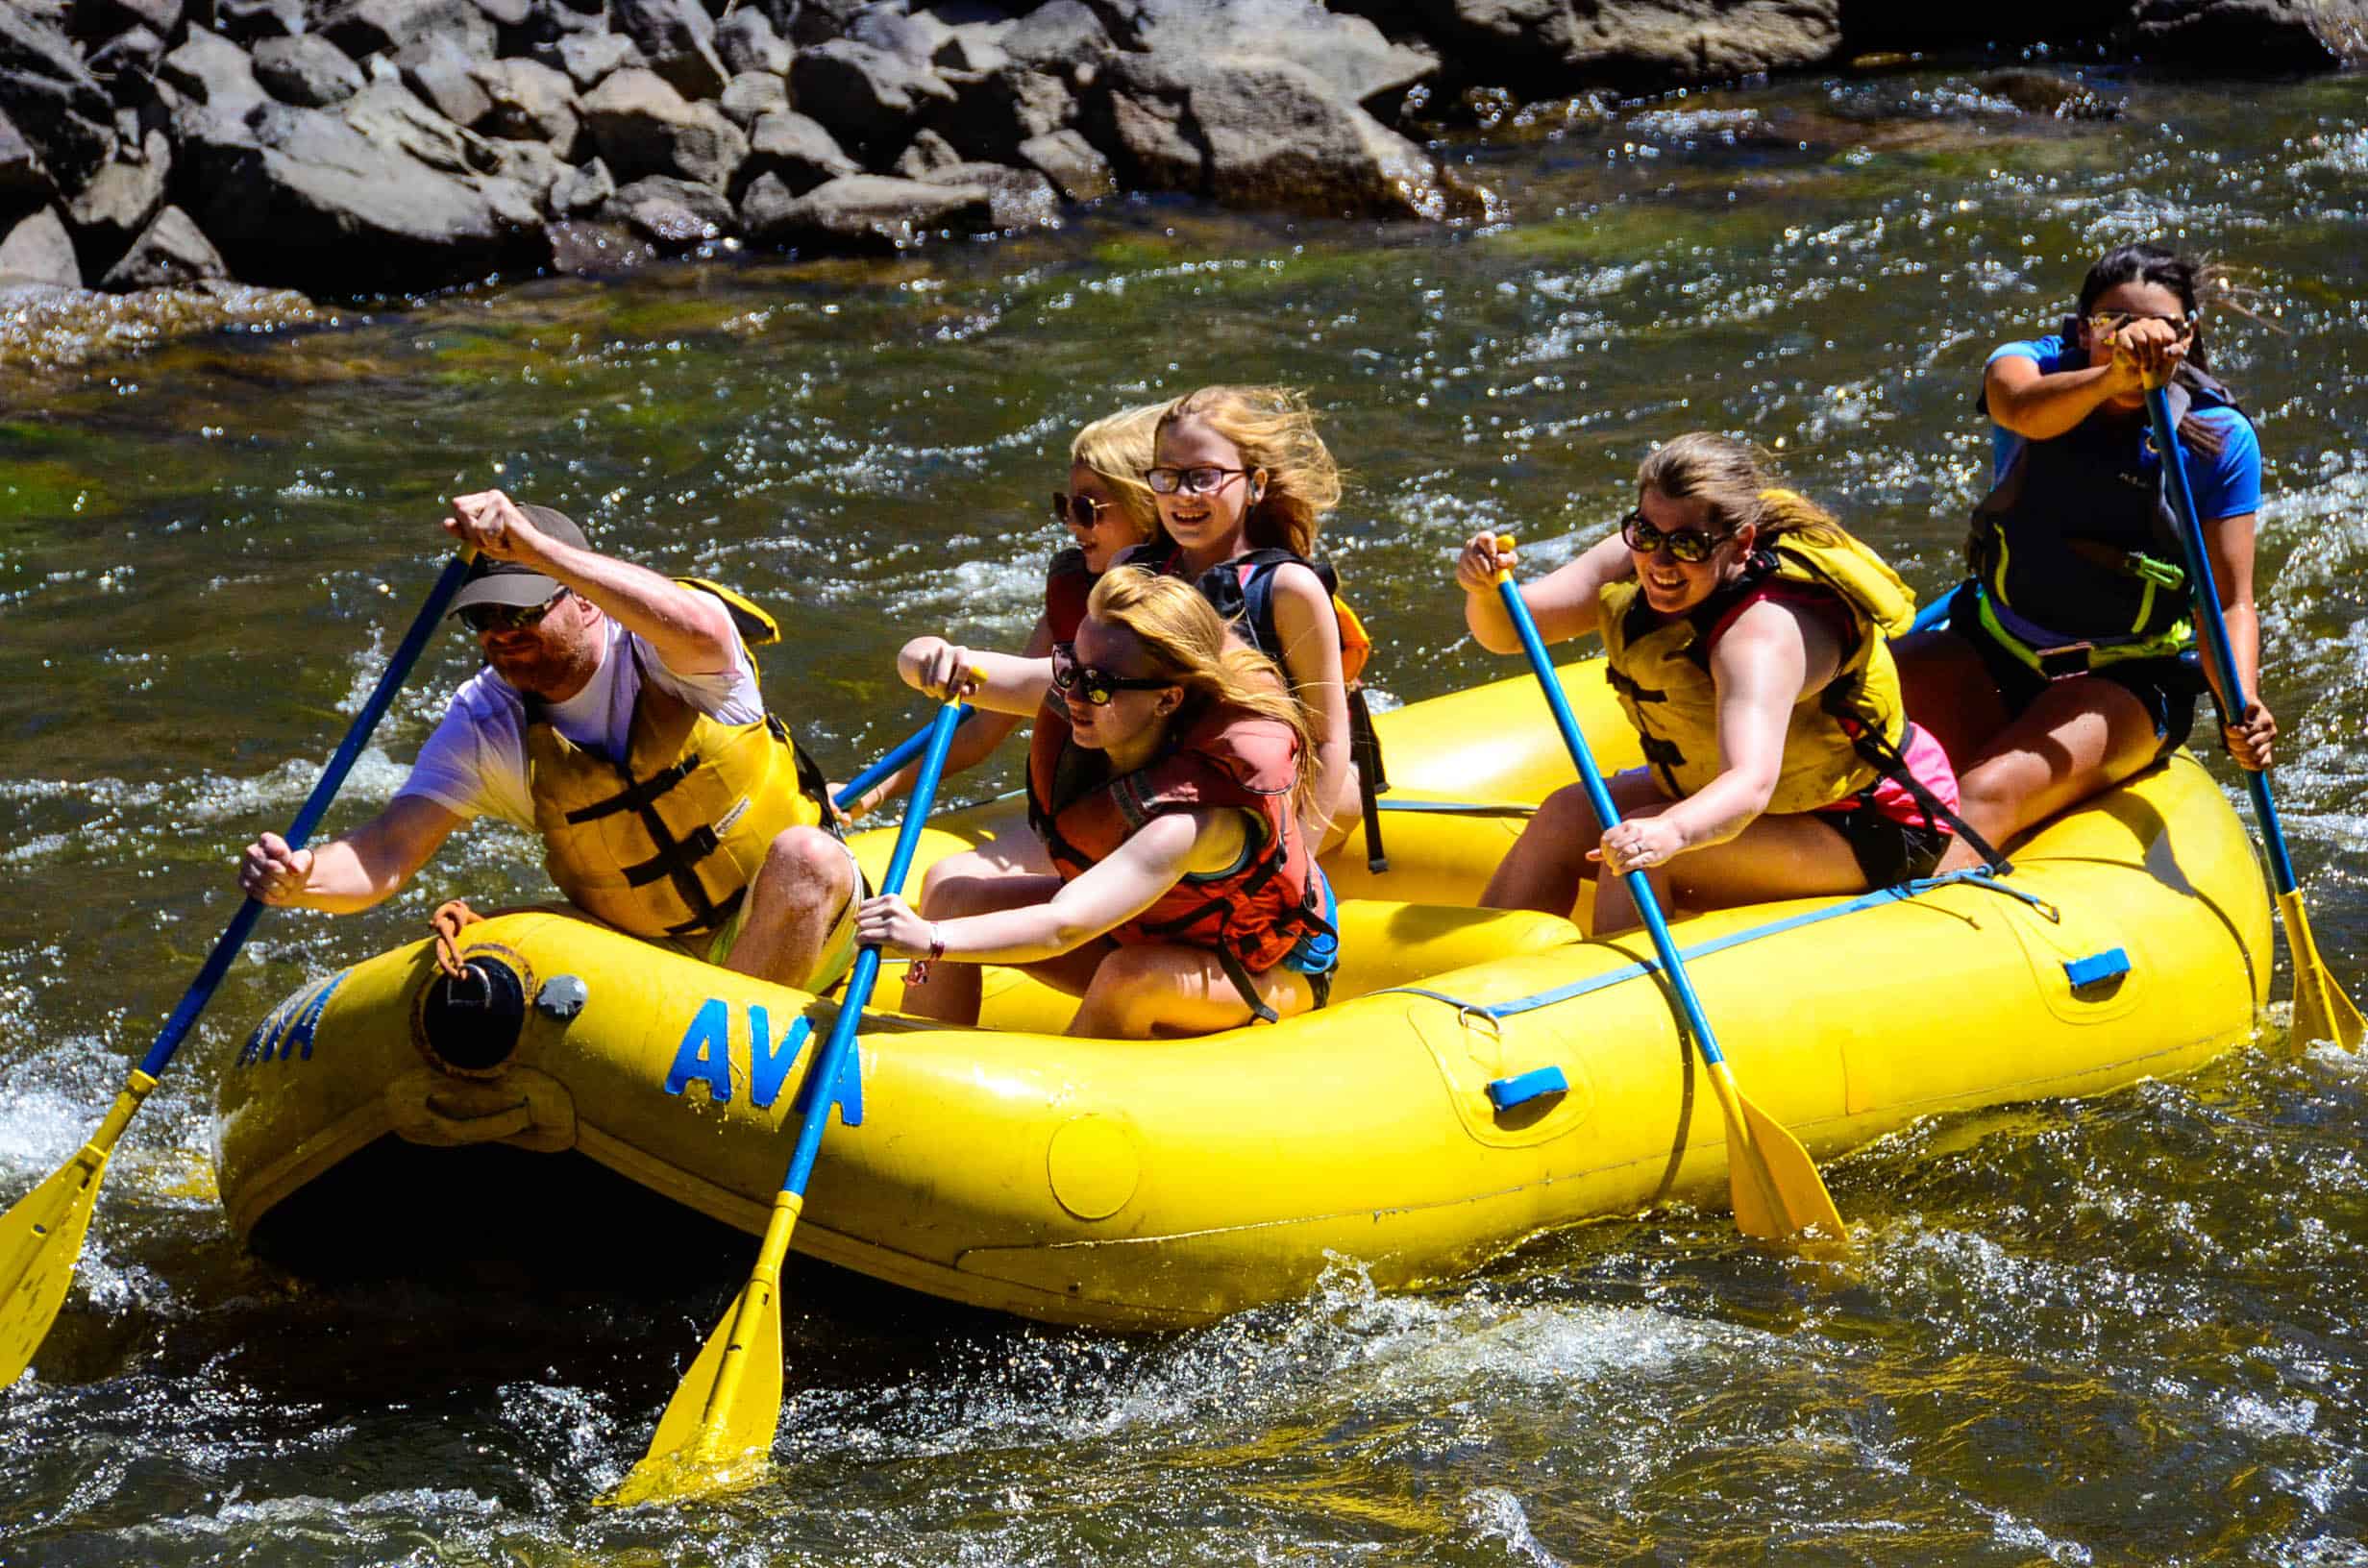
(2068, 662)
(1243, 480)
(1744, 629)
(1105, 509)
(1166, 777)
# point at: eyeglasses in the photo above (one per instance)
(1690, 546)
(1200, 480)
(1092, 685)
(2106, 322)
(484, 618)
(1081, 511)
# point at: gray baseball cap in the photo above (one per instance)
(506, 582)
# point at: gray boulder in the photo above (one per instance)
(887, 26)
(38, 250)
(506, 14)
(868, 97)
(1017, 198)
(746, 41)
(307, 70)
(1061, 36)
(172, 250)
(363, 28)
(673, 214)
(590, 58)
(820, 21)
(119, 203)
(752, 95)
(387, 113)
(581, 190)
(678, 39)
(991, 115)
(1258, 133)
(1545, 47)
(530, 102)
(796, 152)
(972, 49)
(1347, 52)
(126, 63)
(598, 249)
(1072, 163)
(642, 126)
(865, 212)
(927, 153)
(56, 103)
(303, 196)
(534, 169)
(247, 22)
(2265, 35)
(445, 79)
(22, 177)
(105, 18)
(209, 69)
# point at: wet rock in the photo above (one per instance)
(868, 97)
(797, 151)
(582, 190)
(22, 179)
(750, 94)
(1257, 132)
(598, 249)
(125, 63)
(2046, 92)
(54, 102)
(307, 70)
(2265, 35)
(866, 212)
(678, 40)
(674, 214)
(249, 21)
(1347, 52)
(370, 26)
(746, 41)
(592, 58)
(927, 152)
(214, 72)
(1072, 163)
(1544, 48)
(38, 250)
(535, 169)
(530, 102)
(445, 79)
(119, 203)
(1017, 198)
(1057, 35)
(173, 250)
(303, 195)
(642, 126)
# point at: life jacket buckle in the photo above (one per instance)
(2067, 660)
(2167, 575)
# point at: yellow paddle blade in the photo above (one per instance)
(2321, 1009)
(1778, 1195)
(717, 1432)
(41, 1237)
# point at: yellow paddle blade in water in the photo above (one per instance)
(717, 1432)
(2321, 1009)
(41, 1237)
(1778, 1195)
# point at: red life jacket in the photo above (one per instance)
(1068, 585)
(1225, 757)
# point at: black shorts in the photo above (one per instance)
(2169, 687)
(1889, 852)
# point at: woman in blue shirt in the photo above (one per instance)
(2068, 661)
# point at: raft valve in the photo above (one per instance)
(471, 1026)
(561, 997)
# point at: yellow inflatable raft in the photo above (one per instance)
(1413, 1127)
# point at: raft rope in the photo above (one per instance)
(452, 917)
(1899, 892)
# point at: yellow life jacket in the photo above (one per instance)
(665, 843)
(1659, 669)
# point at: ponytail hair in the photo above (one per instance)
(1119, 446)
(1730, 476)
(1186, 643)
(1274, 426)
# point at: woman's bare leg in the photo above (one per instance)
(1165, 989)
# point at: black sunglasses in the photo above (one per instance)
(1084, 511)
(1691, 545)
(484, 618)
(1090, 684)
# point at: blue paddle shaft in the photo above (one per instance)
(356, 736)
(936, 740)
(1608, 816)
(2230, 696)
(904, 751)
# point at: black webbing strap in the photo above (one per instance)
(634, 797)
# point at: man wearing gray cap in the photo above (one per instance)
(619, 717)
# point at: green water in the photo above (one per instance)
(2124, 1331)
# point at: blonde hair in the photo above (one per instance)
(1275, 429)
(1730, 476)
(1119, 446)
(1186, 643)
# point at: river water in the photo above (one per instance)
(2124, 1330)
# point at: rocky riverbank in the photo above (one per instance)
(356, 147)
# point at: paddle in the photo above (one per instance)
(2321, 1009)
(902, 752)
(717, 1432)
(1776, 1190)
(41, 1237)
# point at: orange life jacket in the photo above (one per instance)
(1068, 585)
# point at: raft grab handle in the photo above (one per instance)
(2096, 968)
(1521, 1088)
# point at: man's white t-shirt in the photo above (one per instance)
(474, 764)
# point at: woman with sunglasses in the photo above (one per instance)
(1242, 481)
(1745, 633)
(1165, 778)
(1106, 509)
(2068, 661)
